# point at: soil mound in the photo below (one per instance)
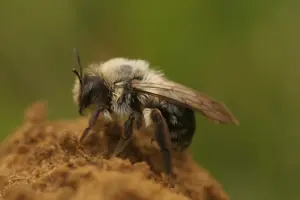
(41, 160)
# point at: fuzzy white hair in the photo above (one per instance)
(120, 69)
(76, 91)
(123, 69)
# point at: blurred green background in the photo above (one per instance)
(244, 53)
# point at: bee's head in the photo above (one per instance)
(92, 90)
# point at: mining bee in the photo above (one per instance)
(129, 88)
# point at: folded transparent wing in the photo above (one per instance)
(187, 97)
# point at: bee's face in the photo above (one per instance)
(94, 92)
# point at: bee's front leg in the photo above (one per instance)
(92, 122)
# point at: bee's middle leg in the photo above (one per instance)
(135, 118)
(127, 134)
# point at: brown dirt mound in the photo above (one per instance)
(41, 160)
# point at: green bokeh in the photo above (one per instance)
(245, 53)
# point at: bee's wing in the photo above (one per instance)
(187, 97)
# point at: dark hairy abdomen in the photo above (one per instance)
(181, 123)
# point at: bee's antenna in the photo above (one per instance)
(80, 73)
(78, 61)
(78, 76)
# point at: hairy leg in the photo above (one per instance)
(163, 139)
(92, 122)
(127, 134)
(135, 118)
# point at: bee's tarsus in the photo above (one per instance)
(92, 122)
(122, 144)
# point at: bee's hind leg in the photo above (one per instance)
(163, 139)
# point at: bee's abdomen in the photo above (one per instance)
(181, 123)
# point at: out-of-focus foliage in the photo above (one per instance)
(245, 53)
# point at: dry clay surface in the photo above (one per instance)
(41, 160)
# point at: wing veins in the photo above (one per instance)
(189, 98)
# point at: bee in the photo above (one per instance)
(131, 90)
